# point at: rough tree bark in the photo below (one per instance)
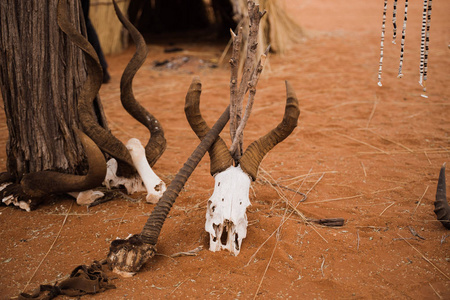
(41, 72)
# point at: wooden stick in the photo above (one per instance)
(252, 87)
(372, 112)
(391, 141)
(364, 169)
(420, 200)
(267, 267)
(51, 246)
(234, 62)
(254, 19)
(386, 208)
(364, 143)
(314, 185)
(335, 199)
(426, 259)
(437, 294)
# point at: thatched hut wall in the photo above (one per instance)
(167, 16)
(277, 28)
(111, 34)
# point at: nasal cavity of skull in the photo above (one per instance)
(236, 242)
(224, 236)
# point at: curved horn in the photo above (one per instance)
(441, 207)
(157, 143)
(258, 149)
(131, 254)
(219, 155)
(103, 138)
(43, 183)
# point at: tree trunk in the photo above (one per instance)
(41, 73)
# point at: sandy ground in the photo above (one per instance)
(367, 154)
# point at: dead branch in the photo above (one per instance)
(237, 141)
(254, 16)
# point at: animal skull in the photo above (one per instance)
(226, 218)
(226, 221)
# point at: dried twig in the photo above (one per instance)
(267, 267)
(284, 220)
(51, 246)
(437, 294)
(335, 199)
(249, 68)
(364, 169)
(420, 200)
(391, 141)
(364, 143)
(193, 252)
(273, 183)
(357, 240)
(121, 220)
(426, 155)
(372, 113)
(322, 265)
(248, 109)
(234, 63)
(414, 233)
(426, 259)
(314, 185)
(386, 208)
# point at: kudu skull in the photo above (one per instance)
(226, 220)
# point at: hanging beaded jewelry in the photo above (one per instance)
(383, 26)
(394, 22)
(402, 49)
(422, 40)
(427, 48)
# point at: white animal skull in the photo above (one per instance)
(226, 218)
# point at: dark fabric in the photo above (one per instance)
(83, 280)
(93, 39)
